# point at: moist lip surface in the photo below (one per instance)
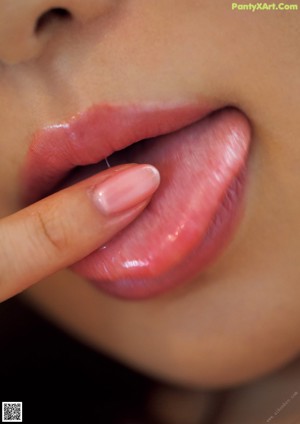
(191, 217)
(192, 214)
(91, 136)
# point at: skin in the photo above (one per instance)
(239, 320)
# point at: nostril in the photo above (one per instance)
(51, 16)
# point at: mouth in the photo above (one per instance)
(201, 154)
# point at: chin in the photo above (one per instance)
(174, 340)
(217, 370)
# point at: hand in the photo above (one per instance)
(65, 227)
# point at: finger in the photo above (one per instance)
(66, 226)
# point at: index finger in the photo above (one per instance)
(65, 227)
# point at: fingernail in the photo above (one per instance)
(126, 189)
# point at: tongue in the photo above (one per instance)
(197, 165)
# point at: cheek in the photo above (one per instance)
(15, 130)
(9, 182)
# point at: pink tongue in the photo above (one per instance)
(197, 165)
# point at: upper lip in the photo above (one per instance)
(89, 137)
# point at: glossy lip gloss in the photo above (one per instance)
(201, 157)
(90, 137)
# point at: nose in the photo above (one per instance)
(27, 25)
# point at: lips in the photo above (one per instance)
(90, 137)
(201, 156)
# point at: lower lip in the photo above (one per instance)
(146, 259)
